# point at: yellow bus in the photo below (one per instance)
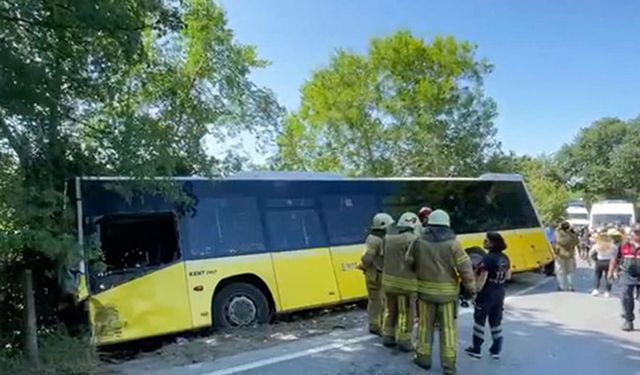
(253, 246)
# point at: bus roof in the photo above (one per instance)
(312, 176)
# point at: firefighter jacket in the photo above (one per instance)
(372, 259)
(440, 262)
(397, 276)
(566, 242)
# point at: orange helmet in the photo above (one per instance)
(424, 213)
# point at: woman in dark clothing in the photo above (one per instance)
(494, 271)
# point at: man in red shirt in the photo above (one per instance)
(628, 264)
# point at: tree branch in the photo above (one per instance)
(17, 145)
(59, 26)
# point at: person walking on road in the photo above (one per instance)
(550, 234)
(565, 256)
(439, 262)
(628, 262)
(495, 270)
(399, 284)
(372, 262)
(602, 252)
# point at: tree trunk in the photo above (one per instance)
(30, 327)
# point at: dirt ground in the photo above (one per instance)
(182, 350)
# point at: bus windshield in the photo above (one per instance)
(602, 220)
(578, 216)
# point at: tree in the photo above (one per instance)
(406, 108)
(601, 160)
(109, 87)
(549, 193)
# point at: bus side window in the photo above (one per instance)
(226, 227)
(295, 229)
(348, 217)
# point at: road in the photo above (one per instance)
(545, 332)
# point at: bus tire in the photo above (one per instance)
(238, 305)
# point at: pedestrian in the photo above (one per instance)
(494, 271)
(439, 262)
(565, 256)
(399, 284)
(423, 214)
(602, 252)
(628, 262)
(372, 263)
(585, 242)
(616, 235)
(550, 234)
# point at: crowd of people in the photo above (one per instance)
(614, 254)
(416, 270)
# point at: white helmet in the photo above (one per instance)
(439, 217)
(410, 220)
(382, 221)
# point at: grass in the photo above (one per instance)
(59, 354)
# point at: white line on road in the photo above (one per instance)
(339, 344)
(288, 357)
(531, 288)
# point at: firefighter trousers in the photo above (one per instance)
(398, 320)
(374, 308)
(565, 269)
(444, 314)
(489, 306)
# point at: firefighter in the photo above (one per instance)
(494, 270)
(565, 256)
(439, 262)
(399, 284)
(423, 214)
(371, 264)
(628, 261)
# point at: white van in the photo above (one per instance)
(611, 212)
(577, 215)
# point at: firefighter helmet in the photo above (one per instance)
(381, 221)
(409, 220)
(424, 213)
(439, 217)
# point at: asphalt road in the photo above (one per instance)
(546, 332)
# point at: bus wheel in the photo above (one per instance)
(239, 305)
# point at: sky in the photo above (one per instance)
(559, 65)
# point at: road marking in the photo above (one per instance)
(287, 357)
(529, 289)
(341, 343)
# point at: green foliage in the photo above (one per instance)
(111, 87)
(544, 180)
(61, 354)
(548, 192)
(406, 108)
(602, 161)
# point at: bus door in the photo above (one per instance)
(141, 289)
(301, 257)
(348, 218)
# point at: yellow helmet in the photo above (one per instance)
(439, 217)
(381, 221)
